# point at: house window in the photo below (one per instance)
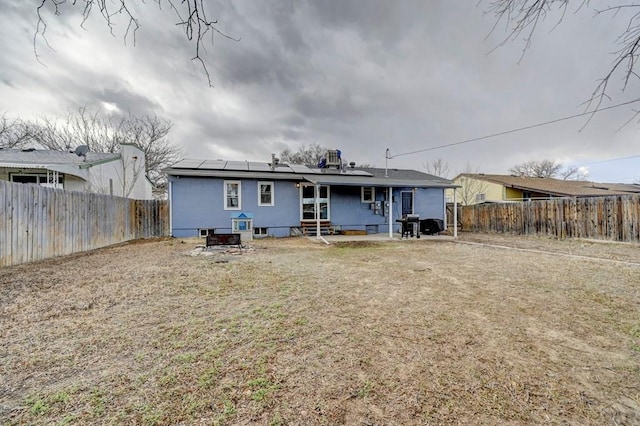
(260, 231)
(53, 180)
(206, 231)
(526, 195)
(368, 194)
(481, 197)
(27, 179)
(308, 201)
(232, 195)
(265, 194)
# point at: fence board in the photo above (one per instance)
(39, 222)
(613, 218)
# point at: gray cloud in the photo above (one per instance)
(359, 75)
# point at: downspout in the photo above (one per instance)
(390, 203)
(170, 193)
(318, 211)
(455, 213)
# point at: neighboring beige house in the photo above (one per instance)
(479, 188)
(121, 174)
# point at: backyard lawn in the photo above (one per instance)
(488, 330)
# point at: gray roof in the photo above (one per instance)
(557, 187)
(375, 181)
(59, 161)
(407, 174)
(248, 166)
(45, 157)
(348, 177)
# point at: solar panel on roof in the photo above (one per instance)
(188, 163)
(237, 165)
(255, 166)
(283, 169)
(213, 164)
(300, 168)
(359, 173)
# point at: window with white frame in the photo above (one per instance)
(206, 231)
(232, 195)
(368, 194)
(481, 197)
(261, 231)
(308, 200)
(265, 194)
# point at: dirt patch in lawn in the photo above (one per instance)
(294, 331)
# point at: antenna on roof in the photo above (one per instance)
(387, 156)
(81, 151)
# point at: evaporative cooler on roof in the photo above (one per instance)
(333, 158)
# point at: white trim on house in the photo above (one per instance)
(312, 201)
(372, 194)
(271, 193)
(238, 195)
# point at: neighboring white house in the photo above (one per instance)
(121, 174)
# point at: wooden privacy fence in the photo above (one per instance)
(606, 218)
(38, 222)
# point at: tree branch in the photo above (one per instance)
(523, 17)
(195, 23)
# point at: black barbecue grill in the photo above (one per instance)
(410, 225)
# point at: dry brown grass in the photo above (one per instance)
(296, 332)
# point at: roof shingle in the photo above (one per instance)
(558, 187)
(50, 157)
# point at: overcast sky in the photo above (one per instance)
(360, 76)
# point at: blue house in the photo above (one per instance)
(271, 199)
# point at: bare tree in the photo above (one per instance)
(105, 134)
(151, 134)
(309, 155)
(79, 127)
(132, 170)
(471, 186)
(544, 169)
(522, 17)
(14, 133)
(437, 167)
(191, 16)
(571, 173)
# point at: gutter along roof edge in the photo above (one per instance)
(378, 182)
(336, 179)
